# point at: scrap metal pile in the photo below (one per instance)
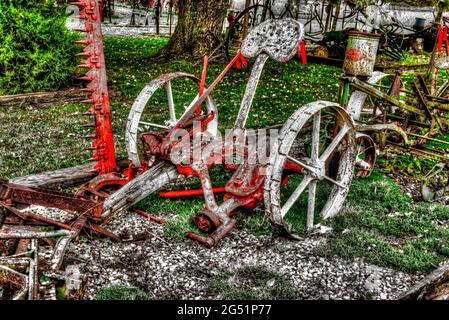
(319, 149)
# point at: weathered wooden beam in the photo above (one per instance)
(155, 178)
(62, 178)
(433, 287)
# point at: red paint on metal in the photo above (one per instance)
(240, 61)
(203, 82)
(442, 37)
(103, 143)
(188, 193)
(290, 166)
(302, 52)
(354, 55)
(151, 217)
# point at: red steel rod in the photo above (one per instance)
(188, 193)
(146, 215)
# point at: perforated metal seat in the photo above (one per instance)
(279, 39)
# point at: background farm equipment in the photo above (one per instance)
(319, 148)
(419, 116)
(321, 20)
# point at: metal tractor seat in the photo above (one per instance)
(279, 39)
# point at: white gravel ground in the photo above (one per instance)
(182, 270)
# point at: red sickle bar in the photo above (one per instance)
(188, 193)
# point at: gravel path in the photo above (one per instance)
(182, 270)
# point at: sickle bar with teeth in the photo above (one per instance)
(94, 62)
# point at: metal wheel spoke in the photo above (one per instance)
(316, 136)
(335, 142)
(359, 150)
(300, 163)
(171, 104)
(295, 195)
(188, 108)
(153, 125)
(334, 182)
(311, 204)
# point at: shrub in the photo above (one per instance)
(37, 52)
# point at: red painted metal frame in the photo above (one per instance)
(188, 193)
(203, 82)
(151, 217)
(245, 189)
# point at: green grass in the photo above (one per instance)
(121, 293)
(406, 163)
(37, 140)
(253, 283)
(379, 222)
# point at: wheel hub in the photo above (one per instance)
(316, 170)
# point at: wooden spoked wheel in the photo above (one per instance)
(173, 95)
(287, 204)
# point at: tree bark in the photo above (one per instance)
(198, 31)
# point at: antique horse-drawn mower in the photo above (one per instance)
(318, 149)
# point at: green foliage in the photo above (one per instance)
(60, 293)
(444, 5)
(409, 164)
(379, 222)
(122, 293)
(37, 52)
(253, 283)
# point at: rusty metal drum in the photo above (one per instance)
(361, 53)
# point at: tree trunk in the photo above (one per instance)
(198, 31)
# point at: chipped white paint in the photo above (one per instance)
(315, 168)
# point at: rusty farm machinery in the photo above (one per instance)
(417, 110)
(306, 169)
